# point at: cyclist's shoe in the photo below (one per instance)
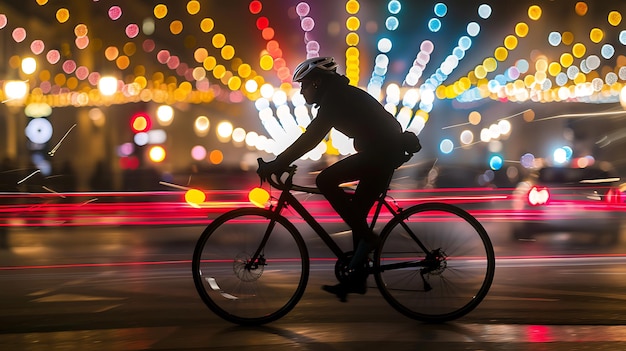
(356, 285)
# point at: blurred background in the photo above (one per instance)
(149, 96)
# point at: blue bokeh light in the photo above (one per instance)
(392, 23)
(434, 25)
(394, 7)
(441, 9)
(496, 162)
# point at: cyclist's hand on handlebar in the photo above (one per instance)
(266, 169)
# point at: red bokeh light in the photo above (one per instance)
(262, 23)
(255, 7)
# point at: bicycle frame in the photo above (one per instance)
(287, 199)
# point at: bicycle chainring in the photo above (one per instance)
(341, 266)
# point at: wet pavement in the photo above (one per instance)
(131, 289)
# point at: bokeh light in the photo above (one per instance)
(157, 154)
(259, 197)
(195, 197)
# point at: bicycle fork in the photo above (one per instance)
(258, 259)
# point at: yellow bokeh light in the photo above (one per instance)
(554, 68)
(207, 25)
(176, 27)
(193, 7)
(160, 11)
(218, 40)
(219, 71)
(581, 8)
(578, 50)
(42, 2)
(490, 64)
(501, 53)
(122, 62)
(352, 7)
(157, 154)
(521, 29)
(72, 83)
(596, 35)
(353, 23)
(259, 197)
(566, 59)
(465, 83)
(209, 63)
(195, 197)
(352, 53)
(59, 79)
(62, 15)
(580, 78)
(111, 53)
(534, 12)
(352, 39)
(567, 38)
(510, 42)
(234, 83)
(529, 81)
(244, 70)
(615, 18)
(44, 75)
(266, 62)
(480, 71)
(474, 117)
(228, 52)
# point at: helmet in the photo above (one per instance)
(325, 64)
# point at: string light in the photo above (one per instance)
(352, 40)
(384, 46)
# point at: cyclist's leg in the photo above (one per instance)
(373, 171)
(369, 189)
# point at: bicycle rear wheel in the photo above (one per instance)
(435, 262)
(242, 289)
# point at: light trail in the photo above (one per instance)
(28, 176)
(501, 261)
(56, 147)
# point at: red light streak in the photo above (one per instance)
(520, 258)
(169, 207)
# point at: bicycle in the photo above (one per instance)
(434, 262)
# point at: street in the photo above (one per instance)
(130, 288)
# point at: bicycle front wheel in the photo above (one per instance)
(250, 266)
(435, 262)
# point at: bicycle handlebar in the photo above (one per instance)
(275, 180)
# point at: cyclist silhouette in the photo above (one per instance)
(381, 147)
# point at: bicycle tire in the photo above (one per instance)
(258, 294)
(459, 278)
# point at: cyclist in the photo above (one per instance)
(380, 144)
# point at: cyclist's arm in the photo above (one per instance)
(315, 132)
